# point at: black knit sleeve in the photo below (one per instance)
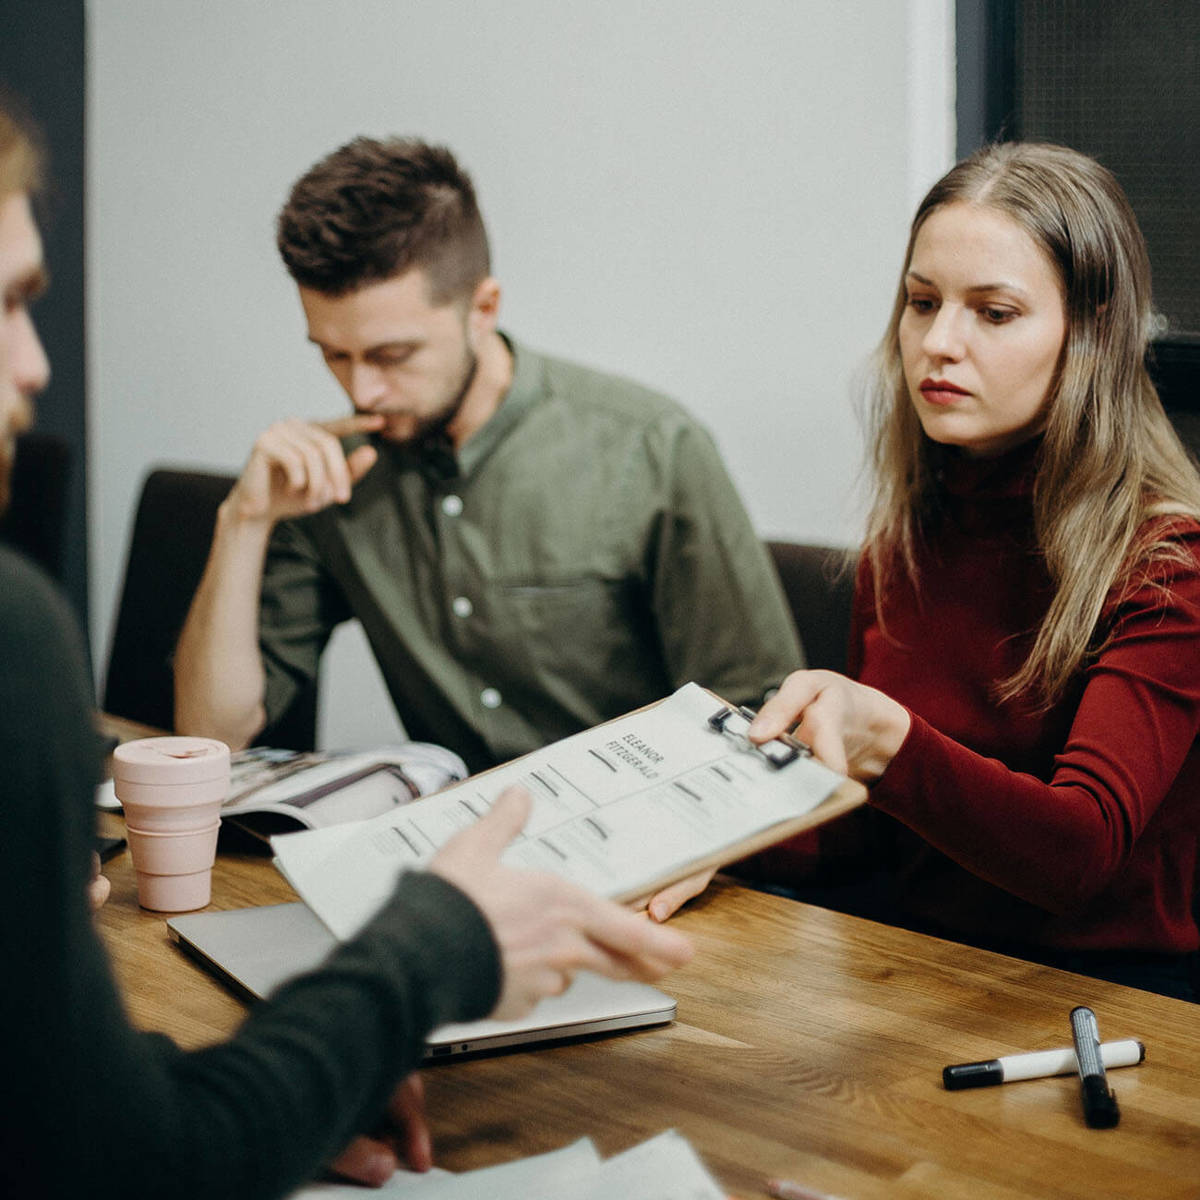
(103, 1108)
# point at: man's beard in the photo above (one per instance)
(433, 431)
(8, 458)
(17, 419)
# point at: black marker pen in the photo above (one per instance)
(1038, 1064)
(1100, 1109)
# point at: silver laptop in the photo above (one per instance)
(254, 950)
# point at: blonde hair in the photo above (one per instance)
(20, 156)
(1110, 460)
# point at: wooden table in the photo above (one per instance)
(808, 1044)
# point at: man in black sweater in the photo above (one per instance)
(97, 1108)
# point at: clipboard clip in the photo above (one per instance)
(778, 752)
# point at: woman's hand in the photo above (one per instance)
(852, 728)
(856, 730)
(671, 899)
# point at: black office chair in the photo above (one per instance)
(1174, 364)
(818, 582)
(172, 534)
(36, 520)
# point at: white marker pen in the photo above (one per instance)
(1037, 1065)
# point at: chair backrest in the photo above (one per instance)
(172, 534)
(1174, 363)
(818, 582)
(36, 520)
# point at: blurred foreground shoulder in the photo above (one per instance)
(35, 619)
(42, 660)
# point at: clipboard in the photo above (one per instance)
(623, 809)
(732, 720)
(779, 751)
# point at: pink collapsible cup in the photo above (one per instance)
(174, 870)
(172, 789)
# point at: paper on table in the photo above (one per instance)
(402, 1183)
(553, 1174)
(664, 1168)
(619, 809)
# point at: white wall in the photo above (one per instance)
(706, 196)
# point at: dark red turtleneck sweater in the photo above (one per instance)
(1073, 828)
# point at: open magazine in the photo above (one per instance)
(280, 791)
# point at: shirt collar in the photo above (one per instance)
(526, 388)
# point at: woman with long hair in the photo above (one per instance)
(1025, 651)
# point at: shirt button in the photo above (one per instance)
(462, 606)
(490, 698)
(452, 505)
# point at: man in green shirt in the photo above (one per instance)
(531, 547)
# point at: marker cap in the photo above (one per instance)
(972, 1075)
(1100, 1109)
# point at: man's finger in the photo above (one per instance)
(355, 423)
(645, 967)
(98, 886)
(335, 469)
(360, 461)
(288, 461)
(485, 840)
(504, 820)
(632, 937)
(316, 469)
(366, 1160)
(407, 1112)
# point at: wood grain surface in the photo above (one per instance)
(808, 1044)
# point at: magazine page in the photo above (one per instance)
(620, 809)
(318, 789)
(276, 791)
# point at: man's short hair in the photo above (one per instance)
(374, 209)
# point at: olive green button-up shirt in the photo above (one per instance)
(584, 554)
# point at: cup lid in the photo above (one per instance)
(170, 760)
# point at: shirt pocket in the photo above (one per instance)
(588, 637)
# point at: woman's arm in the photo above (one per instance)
(1054, 842)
